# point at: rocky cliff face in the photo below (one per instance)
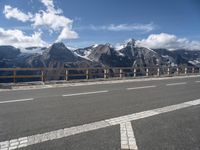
(140, 56)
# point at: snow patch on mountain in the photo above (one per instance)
(32, 50)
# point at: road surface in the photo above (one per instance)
(144, 115)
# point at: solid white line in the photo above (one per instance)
(66, 132)
(128, 140)
(142, 87)
(14, 101)
(197, 81)
(173, 84)
(85, 93)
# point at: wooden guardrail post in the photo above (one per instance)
(193, 70)
(105, 73)
(87, 74)
(66, 74)
(42, 75)
(135, 72)
(14, 76)
(158, 72)
(168, 71)
(121, 73)
(177, 70)
(147, 72)
(185, 70)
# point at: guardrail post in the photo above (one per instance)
(66, 75)
(185, 70)
(158, 72)
(147, 72)
(199, 70)
(108, 72)
(87, 74)
(14, 76)
(177, 70)
(193, 70)
(121, 73)
(42, 75)
(135, 72)
(168, 71)
(105, 73)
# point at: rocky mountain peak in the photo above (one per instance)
(58, 51)
(131, 42)
(59, 45)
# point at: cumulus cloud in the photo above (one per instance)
(54, 20)
(168, 41)
(15, 13)
(48, 3)
(18, 38)
(66, 34)
(51, 7)
(51, 19)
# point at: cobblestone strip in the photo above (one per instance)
(128, 140)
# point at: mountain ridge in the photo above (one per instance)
(102, 55)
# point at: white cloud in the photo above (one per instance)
(123, 27)
(54, 20)
(16, 14)
(51, 19)
(18, 38)
(168, 41)
(67, 34)
(50, 6)
(132, 27)
(48, 3)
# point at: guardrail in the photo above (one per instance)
(45, 74)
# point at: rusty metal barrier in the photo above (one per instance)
(45, 74)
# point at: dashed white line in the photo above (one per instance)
(173, 84)
(14, 101)
(128, 140)
(141, 87)
(85, 93)
(61, 133)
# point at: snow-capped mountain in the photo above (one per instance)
(128, 55)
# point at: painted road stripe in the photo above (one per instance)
(197, 81)
(14, 101)
(173, 84)
(85, 93)
(141, 87)
(128, 140)
(61, 133)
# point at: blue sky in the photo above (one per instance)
(81, 23)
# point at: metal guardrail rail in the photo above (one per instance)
(44, 74)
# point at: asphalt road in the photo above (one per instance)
(30, 112)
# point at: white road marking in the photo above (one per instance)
(85, 93)
(197, 81)
(128, 140)
(14, 101)
(141, 87)
(66, 132)
(173, 84)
